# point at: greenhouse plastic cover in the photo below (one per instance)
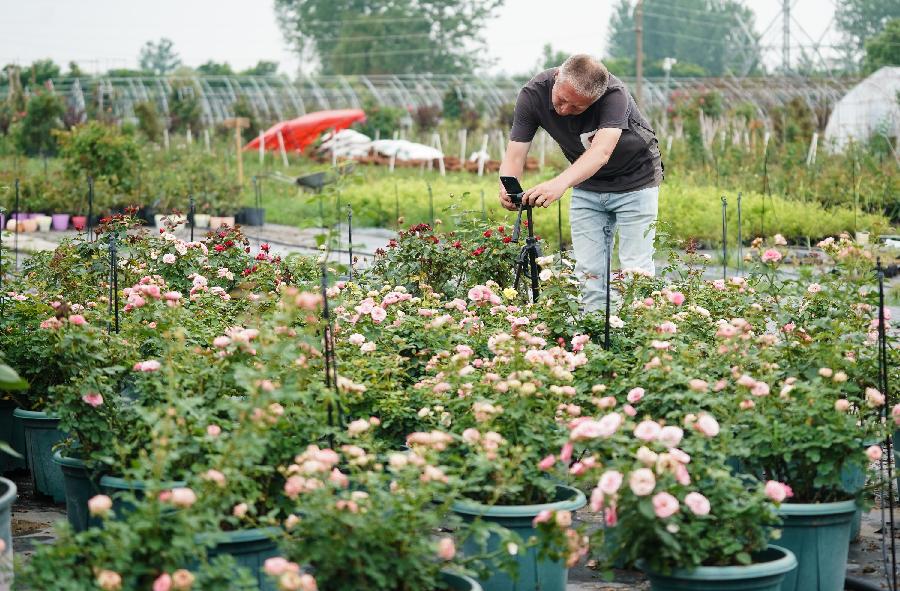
(869, 108)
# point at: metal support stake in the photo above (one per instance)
(16, 227)
(740, 239)
(90, 209)
(559, 226)
(609, 244)
(430, 204)
(724, 238)
(191, 212)
(886, 528)
(350, 237)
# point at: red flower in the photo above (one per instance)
(477, 251)
(264, 247)
(247, 249)
(161, 230)
(501, 229)
(262, 257)
(392, 243)
(507, 239)
(457, 244)
(229, 243)
(219, 248)
(487, 233)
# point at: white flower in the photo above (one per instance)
(616, 322)
(546, 274)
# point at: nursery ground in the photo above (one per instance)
(33, 518)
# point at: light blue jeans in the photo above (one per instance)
(594, 218)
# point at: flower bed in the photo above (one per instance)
(219, 399)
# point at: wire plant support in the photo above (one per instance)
(350, 239)
(740, 239)
(331, 375)
(724, 238)
(608, 270)
(887, 525)
(18, 214)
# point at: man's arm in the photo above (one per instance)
(593, 159)
(513, 165)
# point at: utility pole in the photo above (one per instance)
(639, 53)
(786, 36)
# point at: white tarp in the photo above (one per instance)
(871, 107)
(349, 143)
(406, 150)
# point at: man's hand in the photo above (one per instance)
(544, 194)
(505, 200)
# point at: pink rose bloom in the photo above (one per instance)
(563, 518)
(566, 454)
(215, 476)
(635, 395)
(610, 516)
(670, 436)
(746, 380)
(842, 405)
(547, 462)
(610, 482)
(747, 405)
(647, 430)
(146, 366)
(698, 385)
(77, 320)
(664, 505)
(172, 296)
(629, 410)
(471, 435)
(163, 582)
(169, 258)
(675, 297)
(642, 482)
(697, 503)
(873, 453)
(99, 505)
(895, 412)
(591, 429)
(814, 288)
(240, 510)
(596, 500)
(771, 255)
(874, 398)
(446, 549)
(542, 517)
(719, 284)
(777, 491)
(760, 389)
(356, 339)
(213, 430)
(667, 327)
(183, 497)
(661, 345)
(707, 425)
(93, 399)
(278, 565)
(378, 314)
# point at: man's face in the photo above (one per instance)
(566, 101)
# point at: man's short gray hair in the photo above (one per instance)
(588, 76)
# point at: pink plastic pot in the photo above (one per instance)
(60, 221)
(79, 222)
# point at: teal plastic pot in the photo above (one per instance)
(41, 434)
(819, 536)
(457, 582)
(249, 547)
(121, 489)
(546, 575)
(765, 574)
(80, 484)
(13, 433)
(7, 498)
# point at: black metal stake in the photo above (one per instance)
(608, 232)
(18, 215)
(724, 238)
(191, 212)
(114, 280)
(559, 226)
(886, 459)
(331, 375)
(90, 208)
(740, 238)
(430, 204)
(350, 237)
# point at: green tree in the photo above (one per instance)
(74, 71)
(159, 58)
(40, 71)
(716, 35)
(34, 134)
(388, 36)
(883, 49)
(262, 68)
(859, 20)
(212, 68)
(551, 58)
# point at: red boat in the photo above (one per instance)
(300, 132)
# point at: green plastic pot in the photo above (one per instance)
(249, 547)
(120, 489)
(457, 582)
(533, 573)
(765, 574)
(41, 434)
(819, 536)
(7, 498)
(81, 484)
(13, 433)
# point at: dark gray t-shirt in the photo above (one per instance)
(635, 162)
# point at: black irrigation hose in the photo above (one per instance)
(856, 584)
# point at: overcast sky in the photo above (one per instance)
(101, 34)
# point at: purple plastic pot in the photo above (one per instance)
(34, 216)
(60, 221)
(19, 216)
(2, 221)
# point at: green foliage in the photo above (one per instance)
(40, 71)
(243, 108)
(149, 121)
(883, 49)
(384, 119)
(98, 150)
(262, 68)
(712, 35)
(159, 57)
(212, 68)
(387, 36)
(34, 133)
(185, 109)
(551, 58)
(861, 20)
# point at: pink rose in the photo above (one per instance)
(670, 436)
(642, 482)
(277, 565)
(240, 510)
(183, 497)
(707, 425)
(771, 255)
(356, 339)
(760, 389)
(169, 258)
(542, 517)
(213, 430)
(146, 366)
(698, 385)
(647, 430)
(163, 582)
(566, 454)
(99, 505)
(635, 395)
(378, 314)
(842, 405)
(777, 491)
(697, 503)
(446, 549)
(93, 399)
(873, 453)
(610, 482)
(596, 500)
(215, 476)
(675, 297)
(664, 505)
(667, 327)
(547, 462)
(874, 398)
(77, 320)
